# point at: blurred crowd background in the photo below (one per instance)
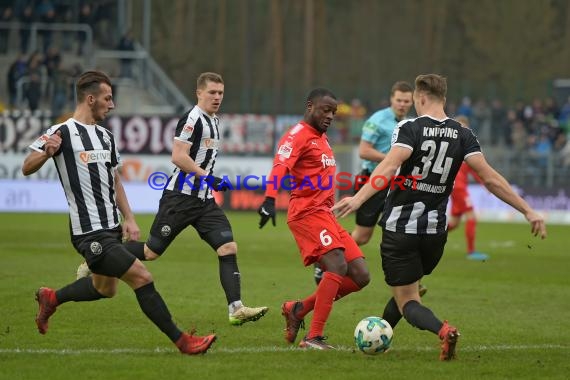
(506, 61)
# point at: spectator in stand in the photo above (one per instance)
(24, 9)
(59, 86)
(17, 70)
(46, 14)
(6, 13)
(499, 123)
(34, 85)
(564, 116)
(51, 60)
(86, 16)
(465, 108)
(127, 44)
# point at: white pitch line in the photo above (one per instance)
(246, 350)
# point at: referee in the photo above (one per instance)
(86, 158)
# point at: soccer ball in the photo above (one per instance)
(373, 335)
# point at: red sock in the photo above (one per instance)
(346, 287)
(470, 226)
(326, 292)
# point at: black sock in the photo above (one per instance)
(136, 248)
(421, 317)
(230, 277)
(391, 313)
(80, 290)
(155, 309)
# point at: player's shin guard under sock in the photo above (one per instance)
(421, 317)
(80, 290)
(470, 226)
(136, 248)
(346, 287)
(326, 292)
(391, 313)
(155, 309)
(230, 277)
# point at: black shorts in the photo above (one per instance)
(369, 213)
(406, 258)
(178, 211)
(104, 252)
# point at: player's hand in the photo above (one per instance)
(217, 183)
(345, 206)
(267, 211)
(52, 145)
(538, 227)
(131, 230)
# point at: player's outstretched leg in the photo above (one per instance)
(247, 314)
(191, 344)
(292, 322)
(47, 303)
(449, 336)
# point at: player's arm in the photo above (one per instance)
(267, 209)
(500, 187)
(131, 230)
(370, 135)
(41, 153)
(366, 151)
(385, 170)
(182, 159)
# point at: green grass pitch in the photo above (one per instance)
(513, 311)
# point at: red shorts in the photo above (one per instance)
(460, 203)
(320, 233)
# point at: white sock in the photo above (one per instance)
(232, 307)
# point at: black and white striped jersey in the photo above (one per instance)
(201, 132)
(438, 147)
(86, 162)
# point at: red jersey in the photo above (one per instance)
(462, 179)
(310, 162)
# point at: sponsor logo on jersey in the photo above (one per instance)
(93, 156)
(285, 150)
(188, 128)
(210, 143)
(327, 161)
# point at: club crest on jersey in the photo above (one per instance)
(395, 135)
(95, 156)
(327, 161)
(96, 248)
(285, 150)
(165, 230)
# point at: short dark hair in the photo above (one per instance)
(433, 85)
(401, 86)
(90, 83)
(208, 77)
(318, 93)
